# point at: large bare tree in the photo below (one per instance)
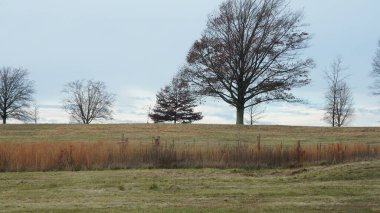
(16, 94)
(376, 71)
(250, 50)
(339, 101)
(86, 101)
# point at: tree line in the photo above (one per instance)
(250, 53)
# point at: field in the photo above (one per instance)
(353, 186)
(186, 133)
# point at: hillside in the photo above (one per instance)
(181, 133)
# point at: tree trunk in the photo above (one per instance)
(240, 115)
(4, 120)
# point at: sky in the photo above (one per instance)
(136, 47)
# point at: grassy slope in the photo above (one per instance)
(353, 187)
(186, 133)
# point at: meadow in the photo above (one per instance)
(94, 147)
(187, 133)
(118, 168)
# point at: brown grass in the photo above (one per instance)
(49, 156)
(185, 133)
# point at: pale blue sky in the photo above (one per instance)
(137, 46)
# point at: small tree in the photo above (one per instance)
(339, 101)
(175, 102)
(254, 113)
(148, 108)
(86, 101)
(35, 113)
(16, 94)
(376, 71)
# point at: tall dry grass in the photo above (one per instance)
(97, 156)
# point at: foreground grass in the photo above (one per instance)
(352, 187)
(186, 133)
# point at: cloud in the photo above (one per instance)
(52, 114)
(274, 114)
(291, 114)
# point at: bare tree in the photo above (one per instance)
(86, 101)
(376, 71)
(254, 113)
(339, 100)
(16, 94)
(250, 50)
(148, 109)
(35, 113)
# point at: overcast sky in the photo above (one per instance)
(136, 47)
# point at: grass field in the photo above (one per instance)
(349, 187)
(186, 133)
(353, 187)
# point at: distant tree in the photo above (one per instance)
(376, 71)
(87, 101)
(16, 94)
(339, 100)
(175, 102)
(250, 50)
(35, 113)
(254, 113)
(148, 109)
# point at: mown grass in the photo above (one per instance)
(186, 133)
(352, 187)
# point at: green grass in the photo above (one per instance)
(353, 187)
(186, 133)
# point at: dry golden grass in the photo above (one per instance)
(47, 156)
(180, 133)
